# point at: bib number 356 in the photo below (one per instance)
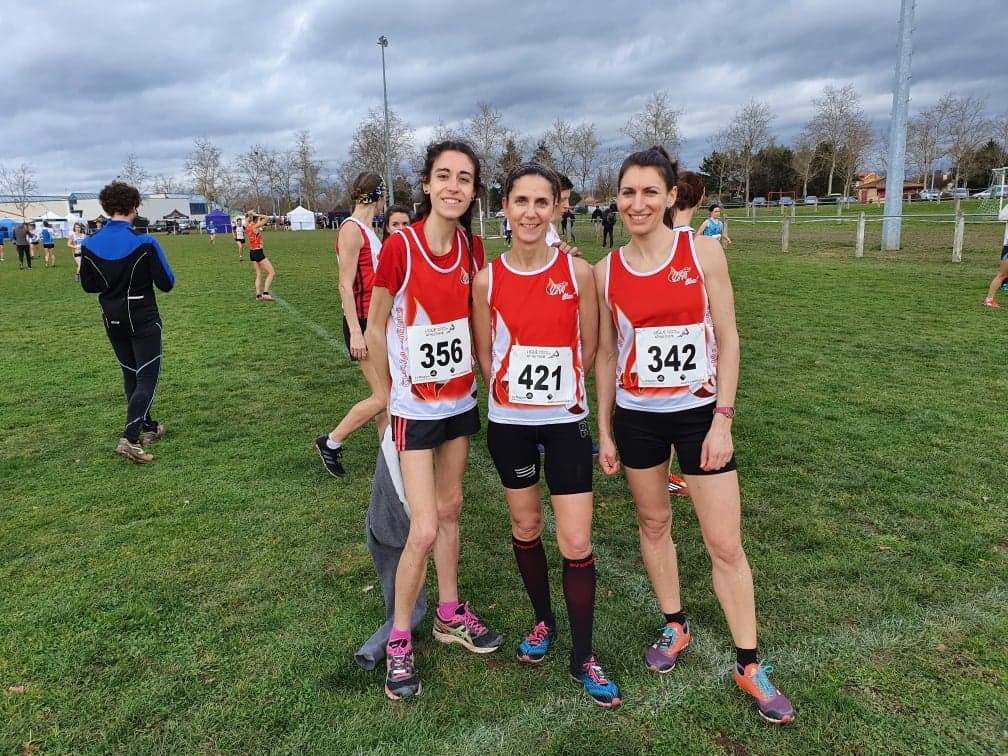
(671, 355)
(439, 352)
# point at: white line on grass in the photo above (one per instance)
(333, 341)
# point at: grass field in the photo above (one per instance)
(211, 602)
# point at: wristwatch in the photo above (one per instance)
(728, 412)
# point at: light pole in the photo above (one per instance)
(383, 43)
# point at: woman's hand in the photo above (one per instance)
(607, 458)
(358, 347)
(718, 446)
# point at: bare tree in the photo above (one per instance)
(586, 146)
(161, 183)
(835, 111)
(560, 138)
(487, 133)
(803, 159)
(924, 142)
(857, 144)
(308, 170)
(367, 149)
(967, 128)
(204, 167)
(133, 173)
(656, 124)
(257, 167)
(746, 135)
(229, 187)
(1000, 130)
(20, 184)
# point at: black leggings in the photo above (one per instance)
(139, 355)
(24, 254)
(607, 234)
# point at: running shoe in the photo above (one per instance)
(603, 691)
(401, 678)
(331, 458)
(1004, 286)
(267, 296)
(770, 702)
(259, 297)
(133, 452)
(152, 433)
(466, 629)
(677, 486)
(536, 644)
(662, 655)
(989, 302)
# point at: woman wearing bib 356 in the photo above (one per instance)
(418, 335)
(535, 327)
(668, 358)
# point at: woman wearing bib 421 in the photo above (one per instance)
(668, 358)
(418, 335)
(535, 326)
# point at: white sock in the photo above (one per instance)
(333, 444)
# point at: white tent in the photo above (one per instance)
(58, 223)
(301, 219)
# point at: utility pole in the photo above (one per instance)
(893, 213)
(383, 43)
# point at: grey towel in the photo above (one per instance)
(387, 527)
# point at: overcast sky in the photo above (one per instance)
(87, 83)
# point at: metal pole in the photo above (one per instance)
(383, 43)
(893, 213)
(859, 251)
(957, 238)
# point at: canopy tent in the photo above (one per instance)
(176, 215)
(301, 219)
(221, 221)
(10, 225)
(59, 223)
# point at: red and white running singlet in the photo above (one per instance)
(367, 264)
(428, 337)
(666, 353)
(537, 376)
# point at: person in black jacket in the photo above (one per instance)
(123, 267)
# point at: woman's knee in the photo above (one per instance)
(655, 526)
(527, 528)
(574, 545)
(727, 551)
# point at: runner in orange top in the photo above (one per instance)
(254, 223)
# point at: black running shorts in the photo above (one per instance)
(645, 439)
(257, 255)
(411, 435)
(567, 458)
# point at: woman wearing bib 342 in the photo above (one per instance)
(418, 335)
(535, 327)
(668, 358)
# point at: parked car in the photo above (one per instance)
(930, 194)
(810, 199)
(759, 202)
(851, 200)
(992, 192)
(960, 192)
(581, 209)
(786, 201)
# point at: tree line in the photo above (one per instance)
(836, 145)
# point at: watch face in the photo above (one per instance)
(726, 411)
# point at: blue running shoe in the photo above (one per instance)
(536, 644)
(602, 690)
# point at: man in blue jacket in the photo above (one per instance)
(123, 267)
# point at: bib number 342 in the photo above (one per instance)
(439, 352)
(671, 355)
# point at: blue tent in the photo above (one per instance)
(10, 225)
(221, 221)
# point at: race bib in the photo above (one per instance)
(541, 375)
(439, 352)
(671, 355)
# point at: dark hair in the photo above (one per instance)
(713, 206)
(119, 198)
(388, 214)
(691, 190)
(565, 183)
(654, 157)
(532, 169)
(367, 188)
(434, 149)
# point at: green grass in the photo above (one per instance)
(211, 602)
